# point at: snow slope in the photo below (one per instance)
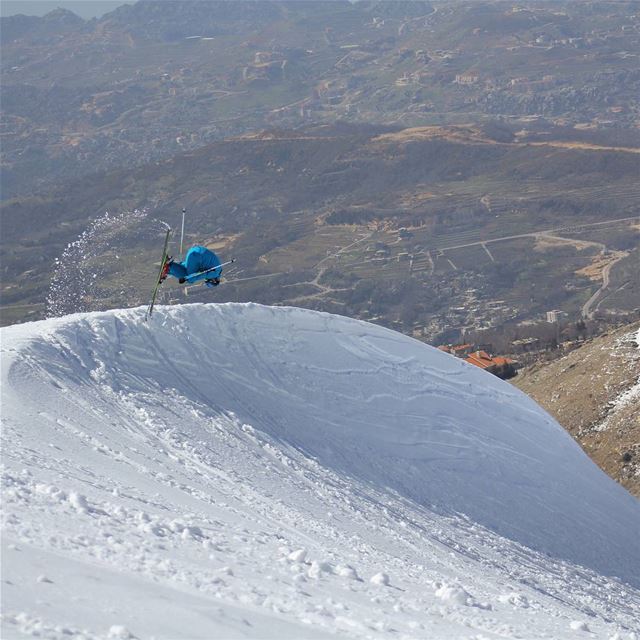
(262, 472)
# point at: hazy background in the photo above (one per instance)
(459, 171)
(84, 8)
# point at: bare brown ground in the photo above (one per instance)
(580, 391)
(595, 270)
(471, 135)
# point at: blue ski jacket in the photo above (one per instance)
(197, 259)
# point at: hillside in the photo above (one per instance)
(594, 393)
(436, 167)
(245, 471)
(428, 230)
(154, 79)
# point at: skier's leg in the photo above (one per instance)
(177, 270)
(210, 262)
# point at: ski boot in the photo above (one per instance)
(165, 268)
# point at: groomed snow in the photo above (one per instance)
(247, 471)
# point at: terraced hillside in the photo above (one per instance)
(428, 230)
(158, 78)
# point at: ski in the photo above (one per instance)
(192, 276)
(154, 292)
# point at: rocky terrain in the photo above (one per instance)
(594, 392)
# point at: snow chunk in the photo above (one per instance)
(119, 632)
(318, 568)
(52, 492)
(515, 599)
(78, 502)
(176, 526)
(453, 594)
(192, 533)
(347, 571)
(579, 625)
(300, 555)
(380, 578)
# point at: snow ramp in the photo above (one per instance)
(236, 413)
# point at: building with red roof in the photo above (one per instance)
(499, 366)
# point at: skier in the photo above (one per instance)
(199, 264)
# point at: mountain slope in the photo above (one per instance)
(594, 392)
(156, 78)
(284, 201)
(256, 472)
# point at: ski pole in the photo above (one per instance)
(191, 276)
(184, 211)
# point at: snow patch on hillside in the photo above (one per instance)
(629, 396)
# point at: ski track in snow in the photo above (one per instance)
(244, 471)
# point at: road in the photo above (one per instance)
(592, 303)
(533, 234)
(587, 312)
